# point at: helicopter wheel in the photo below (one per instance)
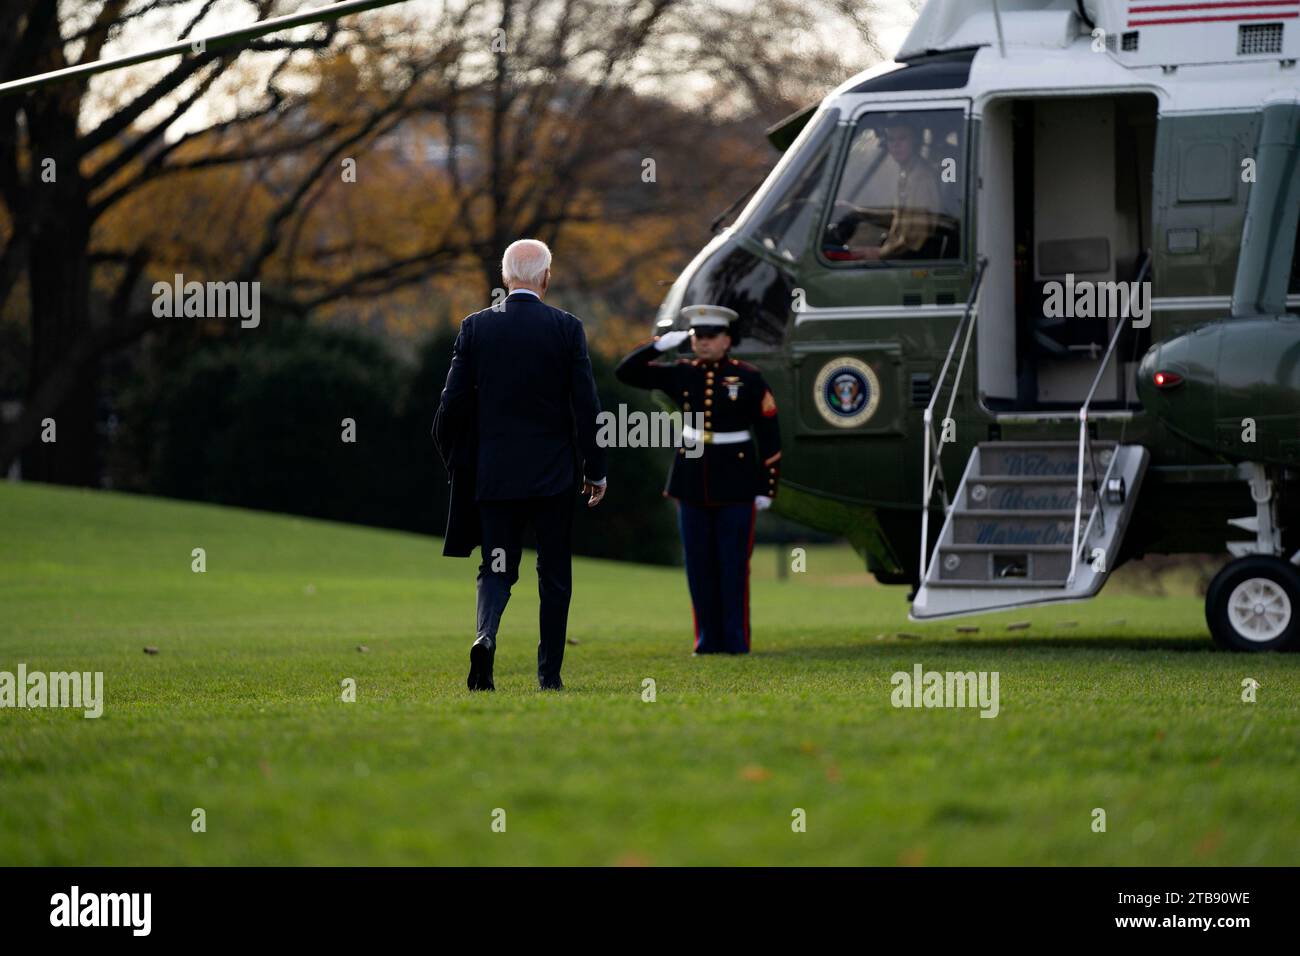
(1253, 604)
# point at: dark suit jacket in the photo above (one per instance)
(455, 440)
(521, 383)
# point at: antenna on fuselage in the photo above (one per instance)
(997, 20)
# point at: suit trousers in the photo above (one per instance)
(503, 524)
(718, 541)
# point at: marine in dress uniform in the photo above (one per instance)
(719, 492)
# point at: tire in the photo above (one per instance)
(1253, 604)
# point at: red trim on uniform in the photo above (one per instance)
(753, 519)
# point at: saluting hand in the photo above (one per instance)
(670, 340)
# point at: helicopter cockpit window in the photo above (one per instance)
(786, 226)
(1293, 287)
(900, 193)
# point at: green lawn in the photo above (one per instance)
(239, 713)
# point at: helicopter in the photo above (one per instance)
(1022, 297)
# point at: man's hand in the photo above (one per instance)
(762, 502)
(670, 340)
(595, 492)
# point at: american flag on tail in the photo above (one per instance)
(1154, 13)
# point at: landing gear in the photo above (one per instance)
(1253, 604)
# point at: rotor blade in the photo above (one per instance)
(197, 44)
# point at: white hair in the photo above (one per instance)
(525, 262)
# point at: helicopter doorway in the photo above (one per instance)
(1065, 215)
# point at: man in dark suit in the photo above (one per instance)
(523, 369)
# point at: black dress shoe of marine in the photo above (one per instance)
(481, 653)
(550, 683)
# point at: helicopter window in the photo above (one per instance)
(900, 192)
(1293, 287)
(757, 289)
(949, 70)
(789, 222)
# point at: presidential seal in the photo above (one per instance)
(846, 392)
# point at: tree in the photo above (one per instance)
(69, 159)
(539, 105)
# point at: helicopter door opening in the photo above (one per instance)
(1064, 217)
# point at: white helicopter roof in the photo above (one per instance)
(951, 24)
(1196, 55)
(1137, 32)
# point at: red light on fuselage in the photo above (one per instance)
(1167, 379)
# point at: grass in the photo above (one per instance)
(239, 713)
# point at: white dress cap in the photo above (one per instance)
(709, 316)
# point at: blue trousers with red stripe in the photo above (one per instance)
(718, 541)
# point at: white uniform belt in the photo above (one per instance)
(714, 438)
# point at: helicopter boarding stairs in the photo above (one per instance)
(1032, 522)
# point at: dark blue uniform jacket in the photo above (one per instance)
(731, 396)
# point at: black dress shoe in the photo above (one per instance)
(481, 653)
(550, 683)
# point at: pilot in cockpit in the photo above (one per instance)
(910, 225)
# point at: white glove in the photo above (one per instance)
(762, 502)
(670, 340)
